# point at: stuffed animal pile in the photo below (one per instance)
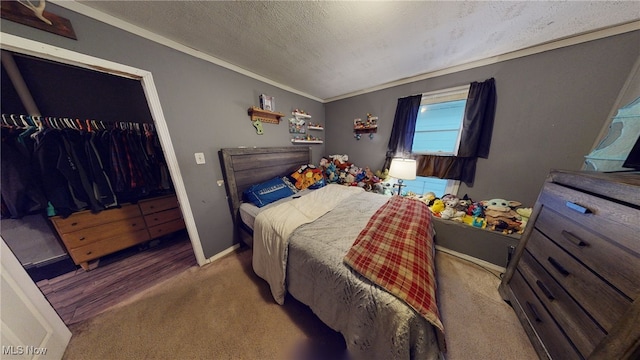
(495, 214)
(338, 170)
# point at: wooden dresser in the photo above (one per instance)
(574, 280)
(89, 236)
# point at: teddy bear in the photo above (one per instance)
(437, 207)
(464, 203)
(341, 161)
(525, 214)
(350, 176)
(382, 175)
(500, 215)
(331, 173)
(428, 198)
(306, 176)
(450, 212)
(476, 209)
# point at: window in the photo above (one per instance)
(437, 132)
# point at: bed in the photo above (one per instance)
(309, 258)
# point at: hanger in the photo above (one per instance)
(4, 120)
(26, 121)
(54, 121)
(37, 120)
(68, 123)
(13, 119)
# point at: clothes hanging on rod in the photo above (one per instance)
(75, 165)
(20, 189)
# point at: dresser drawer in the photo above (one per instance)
(618, 265)
(107, 246)
(86, 219)
(598, 298)
(162, 217)
(602, 215)
(158, 204)
(100, 232)
(583, 332)
(555, 342)
(166, 228)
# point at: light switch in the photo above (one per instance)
(199, 158)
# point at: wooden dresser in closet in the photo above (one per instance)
(88, 236)
(161, 215)
(574, 281)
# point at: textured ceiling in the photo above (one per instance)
(330, 49)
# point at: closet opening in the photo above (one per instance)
(126, 225)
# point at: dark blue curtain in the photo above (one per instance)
(475, 138)
(404, 126)
(477, 125)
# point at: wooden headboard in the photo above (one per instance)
(243, 167)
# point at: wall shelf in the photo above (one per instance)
(296, 141)
(301, 115)
(264, 116)
(366, 130)
(298, 127)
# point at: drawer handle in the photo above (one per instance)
(558, 267)
(534, 311)
(579, 208)
(574, 239)
(74, 224)
(89, 252)
(134, 224)
(155, 219)
(82, 238)
(545, 290)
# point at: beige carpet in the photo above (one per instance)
(223, 311)
(478, 324)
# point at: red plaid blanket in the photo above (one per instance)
(395, 251)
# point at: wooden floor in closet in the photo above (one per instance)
(80, 295)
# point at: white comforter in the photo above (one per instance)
(273, 227)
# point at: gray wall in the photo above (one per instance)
(551, 107)
(205, 107)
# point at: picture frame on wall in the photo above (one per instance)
(267, 102)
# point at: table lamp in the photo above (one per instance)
(402, 169)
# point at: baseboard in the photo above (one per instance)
(484, 264)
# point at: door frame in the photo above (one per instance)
(45, 51)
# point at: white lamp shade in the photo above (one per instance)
(404, 169)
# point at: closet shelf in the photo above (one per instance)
(315, 127)
(264, 116)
